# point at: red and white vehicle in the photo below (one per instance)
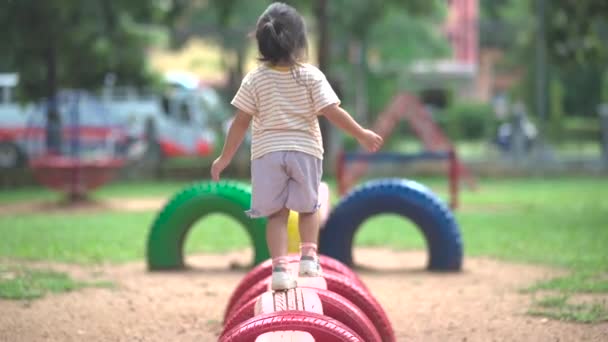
(182, 122)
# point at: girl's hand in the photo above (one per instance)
(217, 167)
(339, 117)
(370, 140)
(236, 134)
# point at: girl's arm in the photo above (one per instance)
(234, 138)
(339, 117)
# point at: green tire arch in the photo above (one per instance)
(167, 236)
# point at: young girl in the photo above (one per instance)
(283, 97)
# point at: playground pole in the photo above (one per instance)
(321, 10)
(454, 179)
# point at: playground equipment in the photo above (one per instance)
(87, 150)
(335, 282)
(387, 157)
(166, 238)
(338, 306)
(334, 307)
(168, 232)
(460, 69)
(261, 271)
(406, 198)
(405, 106)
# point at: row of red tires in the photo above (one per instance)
(350, 312)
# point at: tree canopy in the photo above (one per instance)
(74, 44)
(576, 40)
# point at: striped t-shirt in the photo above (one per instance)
(284, 103)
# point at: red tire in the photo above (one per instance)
(334, 306)
(281, 302)
(329, 263)
(258, 273)
(322, 328)
(240, 315)
(364, 300)
(344, 311)
(253, 293)
(262, 271)
(344, 287)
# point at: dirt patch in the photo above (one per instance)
(482, 303)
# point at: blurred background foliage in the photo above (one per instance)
(364, 46)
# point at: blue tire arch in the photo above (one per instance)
(406, 198)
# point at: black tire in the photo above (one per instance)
(395, 196)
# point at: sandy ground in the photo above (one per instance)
(482, 303)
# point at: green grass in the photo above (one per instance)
(558, 222)
(108, 237)
(118, 189)
(27, 194)
(580, 281)
(558, 307)
(136, 189)
(551, 302)
(23, 283)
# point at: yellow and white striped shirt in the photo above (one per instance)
(284, 103)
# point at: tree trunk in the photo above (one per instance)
(53, 126)
(361, 101)
(241, 53)
(603, 111)
(234, 82)
(322, 16)
(323, 43)
(541, 68)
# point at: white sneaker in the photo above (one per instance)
(310, 267)
(282, 280)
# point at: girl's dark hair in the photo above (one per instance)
(281, 34)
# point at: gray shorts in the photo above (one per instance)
(287, 179)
